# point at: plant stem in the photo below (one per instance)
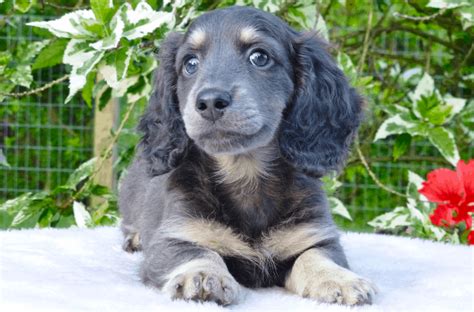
(38, 90)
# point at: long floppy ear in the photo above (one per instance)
(322, 119)
(164, 142)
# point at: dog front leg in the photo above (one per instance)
(315, 275)
(185, 271)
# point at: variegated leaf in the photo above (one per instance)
(444, 141)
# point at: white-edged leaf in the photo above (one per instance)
(81, 215)
(3, 160)
(456, 104)
(443, 140)
(81, 173)
(414, 211)
(69, 25)
(392, 220)
(467, 16)
(321, 27)
(337, 207)
(143, 19)
(82, 58)
(415, 182)
(345, 63)
(425, 88)
(114, 70)
(116, 31)
(447, 4)
(396, 125)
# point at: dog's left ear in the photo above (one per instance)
(322, 119)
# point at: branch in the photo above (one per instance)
(105, 155)
(38, 90)
(372, 174)
(420, 18)
(366, 41)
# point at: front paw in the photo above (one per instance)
(344, 287)
(315, 276)
(202, 282)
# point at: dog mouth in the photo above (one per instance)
(231, 142)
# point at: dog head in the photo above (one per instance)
(240, 78)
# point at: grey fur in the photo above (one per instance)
(300, 108)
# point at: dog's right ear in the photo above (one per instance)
(165, 142)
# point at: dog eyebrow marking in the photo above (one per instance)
(197, 38)
(248, 34)
(280, 243)
(286, 242)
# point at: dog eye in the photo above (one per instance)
(191, 65)
(259, 58)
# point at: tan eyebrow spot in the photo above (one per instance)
(248, 34)
(197, 38)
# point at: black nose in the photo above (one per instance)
(211, 103)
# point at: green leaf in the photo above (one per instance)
(88, 88)
(105, 98)
(103, 10)
(83, 172)
(51, 55)
(401, 145)
(337, 207)
(347, 66)
(431, 109)
(330, 183)
(443, 140)
(23, 5)
(425, 88)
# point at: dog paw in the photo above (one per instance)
(203, 285)
(316, 276)
(132, 243)
(345, 287)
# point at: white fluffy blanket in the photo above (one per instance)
(86, 270)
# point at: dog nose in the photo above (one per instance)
(211, 103)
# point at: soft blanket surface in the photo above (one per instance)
(86, 270)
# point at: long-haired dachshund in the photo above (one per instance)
(246, 116)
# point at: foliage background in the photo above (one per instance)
(409, 58)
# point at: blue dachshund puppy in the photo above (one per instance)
(246, 116)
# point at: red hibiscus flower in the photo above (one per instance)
(453, 191)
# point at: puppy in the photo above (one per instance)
(246, 115)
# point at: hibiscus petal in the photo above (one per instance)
(443, 216)
(466, 176)
(470, 238)
(442, 186)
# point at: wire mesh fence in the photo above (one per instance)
(44, 139)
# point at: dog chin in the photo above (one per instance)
(233, 143)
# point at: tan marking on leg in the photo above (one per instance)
(316, 276)
(283, 243)
(212, 235)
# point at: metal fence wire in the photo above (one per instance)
(44, 139)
